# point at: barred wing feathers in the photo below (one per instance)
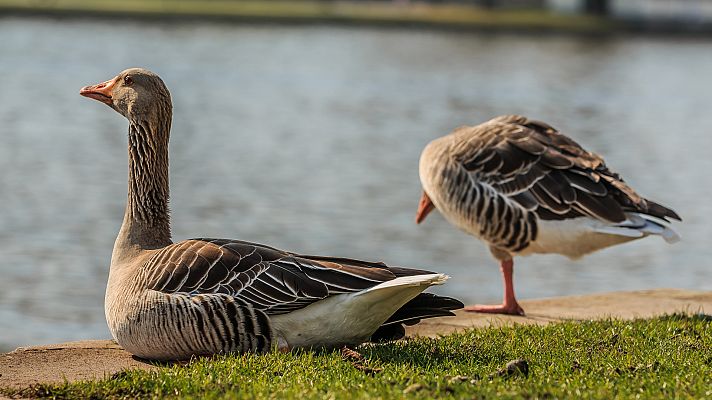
(270, 280)
(547, 172)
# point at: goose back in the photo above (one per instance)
(505, 179)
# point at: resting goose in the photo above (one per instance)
(524, 188)
(171, 301)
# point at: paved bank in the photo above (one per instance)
(623, 305)
(102, 358)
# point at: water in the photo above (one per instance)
(308, 138)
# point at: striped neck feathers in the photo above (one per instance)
(147, 218)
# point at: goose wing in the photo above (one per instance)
(547, 172)
(269, 279)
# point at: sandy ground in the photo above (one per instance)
(102, 358)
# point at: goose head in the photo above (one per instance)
(136, 93)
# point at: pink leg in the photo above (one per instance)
(510, 305)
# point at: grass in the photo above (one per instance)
(666, 357)
(384, 13)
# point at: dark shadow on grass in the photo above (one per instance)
(182, 363)
(700, 316)
(424, 353)
(157, 363)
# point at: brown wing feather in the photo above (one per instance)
(267, 278)
(516, 155)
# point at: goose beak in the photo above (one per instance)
(100, 91)
(424, 208)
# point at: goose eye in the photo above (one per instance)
(128, 80)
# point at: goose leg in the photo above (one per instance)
(510, 305)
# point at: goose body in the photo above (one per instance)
(171, 301)
(524, 188)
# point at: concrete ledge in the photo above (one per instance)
(621, 305)
(73, 361)
(102, 358)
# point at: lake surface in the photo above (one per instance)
(308, 138)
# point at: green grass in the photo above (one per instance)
(668, 357)
(383, 13)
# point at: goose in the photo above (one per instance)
(203, 296)
(524, 188)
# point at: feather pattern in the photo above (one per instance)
(217, 296)
(269, 280)
(169, 301)
(502, 179)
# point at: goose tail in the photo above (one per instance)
(639, 225)
(422, 306)
(402, 282)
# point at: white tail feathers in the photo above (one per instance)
(655, 226)
(413, 280)
(349, 318)
(639, 225)
(620, 231)
(670, 235)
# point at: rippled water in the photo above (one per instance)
(307, 138)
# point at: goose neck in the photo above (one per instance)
(146, 222)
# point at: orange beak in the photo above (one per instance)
(100, 91)
(424, 208)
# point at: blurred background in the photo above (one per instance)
(299, 124)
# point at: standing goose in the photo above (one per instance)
(171, 301)
(525, 188)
